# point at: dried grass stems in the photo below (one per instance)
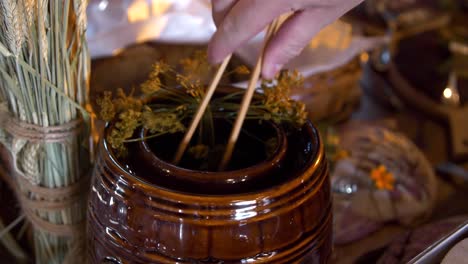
(44, 70)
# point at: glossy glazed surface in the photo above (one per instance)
(287, 221)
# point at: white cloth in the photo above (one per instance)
(115, 24)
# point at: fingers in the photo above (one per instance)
(296, 33)
(244, 20)
(292, 37)
(220, 9)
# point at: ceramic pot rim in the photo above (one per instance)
(313, 164)
(224, 177)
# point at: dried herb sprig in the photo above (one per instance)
(277, 99)
(174, 105)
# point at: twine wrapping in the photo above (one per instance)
(25, 145)
(49, 200)
(28, 138)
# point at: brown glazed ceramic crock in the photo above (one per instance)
(286, 219)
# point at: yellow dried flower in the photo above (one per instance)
(193, 87)
(116, 141)
(107, 112)
(197, 65)
(196, 68)
(159, 68)
(277, 100)
(299, 113)
(161, 122)
(151, 86)
(243, 70)
(154, 84)
(181, 109)
(290, 79)
(124, 102)
(199, 151)
(129, 120)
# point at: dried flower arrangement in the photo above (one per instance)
(175, 106)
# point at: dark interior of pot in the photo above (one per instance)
(256, 143)
(302, 147)
(421, 60)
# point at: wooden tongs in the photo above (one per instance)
(246, 100)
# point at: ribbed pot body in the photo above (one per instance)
(133, 221)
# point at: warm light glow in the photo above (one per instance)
(337, 35)
(159, 7)
(138, 11)
(149, 30)
(448, 93)
(364, 57)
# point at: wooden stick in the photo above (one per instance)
(200, 111)
(246, 100)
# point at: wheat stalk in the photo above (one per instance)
(13, 25)
(29, 16)
(29, 11)
(80, 11)
(41, 20)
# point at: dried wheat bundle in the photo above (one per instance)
(44, 72)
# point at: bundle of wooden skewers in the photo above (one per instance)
(272, 29)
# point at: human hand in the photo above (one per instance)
(240, 20)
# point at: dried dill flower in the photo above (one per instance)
(161, 122)
(107, 112)
(110, 107)
(154, 84)
(151, 86)
(195, 72)
(243, 70)
(129, 120)
(299, 113)
(196, 67)
(181, 109)
(277, 99)
(159, 68)
(193, 87)
(124, 102)
(116, 141)
(199, 151)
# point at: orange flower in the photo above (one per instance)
(383, 179)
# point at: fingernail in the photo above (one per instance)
(269, 72)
